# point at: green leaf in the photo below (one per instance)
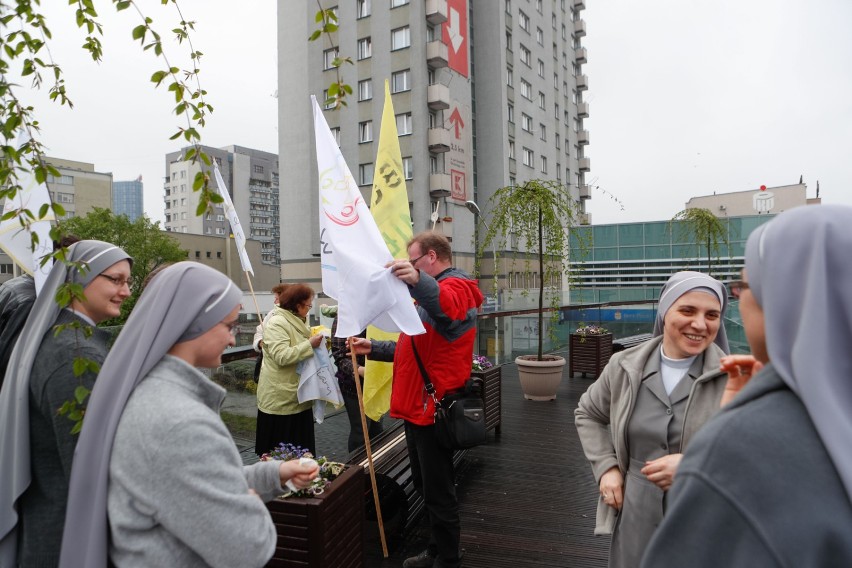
(80, 394)
(78, 426)
(139, 32)
(313, 36)
(79, 366)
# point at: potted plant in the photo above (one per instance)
(323, 524)
(589, 350)
(539, 216)
(491, 389)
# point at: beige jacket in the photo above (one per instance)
(285, 343)
(605, 408)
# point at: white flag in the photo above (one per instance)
(231, 213)
(353, 253)
(16, 238)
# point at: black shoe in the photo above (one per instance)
(423, 560)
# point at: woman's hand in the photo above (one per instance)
(661, 471)
(315, 340)
(612, 488)
(359, 346)
(301, 474)
(740, 369)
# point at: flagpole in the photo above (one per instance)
(369, 450)
(253, 297)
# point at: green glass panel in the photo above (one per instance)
(608, 253)
(631, 253)
(738, 248)
(606, 236)
(657, 234)
(630, 235)
(658, 251)
(684, 251)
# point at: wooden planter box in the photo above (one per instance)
(589, 354)
(492, 395)
(324, 531)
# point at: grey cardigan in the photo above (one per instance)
(605, 408)
(178, 493)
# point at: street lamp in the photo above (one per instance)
(477, 212)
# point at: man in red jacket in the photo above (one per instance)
(447, 302)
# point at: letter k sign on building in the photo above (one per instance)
(455, 35)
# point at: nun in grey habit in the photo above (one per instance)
(640, 414)
(36, 444)
(157, 479)
(768, 481)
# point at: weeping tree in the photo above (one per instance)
(702, 227)
(540, 217)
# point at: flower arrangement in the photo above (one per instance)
(328, 470)
(584, 330)
(480, 363)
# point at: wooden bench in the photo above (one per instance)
(630, 341)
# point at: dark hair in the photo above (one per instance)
(279, 288)
(433, 241)
(293, 295)
(65, 242)
(157, 270)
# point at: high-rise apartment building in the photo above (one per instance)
(127, 198)
(486, 93)
(79, 188)
(252, 180)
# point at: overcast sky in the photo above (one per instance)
(687, 97)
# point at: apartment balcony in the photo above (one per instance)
(436, 11)
(439, 185)
(585, 218)
(579, 28)
(582, 82)
(583, 137)
(580, 55)
(436, 54)
(585, 192)
(583, 110)
(511, 129)
(579, 5)
(585, 164)
(439, 140)
(438, 96)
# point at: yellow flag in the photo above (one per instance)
(389, 206)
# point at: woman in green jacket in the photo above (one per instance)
(286, 341)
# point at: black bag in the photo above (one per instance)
(460, 415)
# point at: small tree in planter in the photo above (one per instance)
(542, 216)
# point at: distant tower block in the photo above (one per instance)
(763, 201)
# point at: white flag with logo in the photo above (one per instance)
(353, 253)
(236, 227)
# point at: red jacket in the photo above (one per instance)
(447, 306)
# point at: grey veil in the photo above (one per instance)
(182, 302)
(686, 281)
(799, 271)
(14, 397)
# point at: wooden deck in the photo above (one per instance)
(528, 497)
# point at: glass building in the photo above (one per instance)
(127, 198)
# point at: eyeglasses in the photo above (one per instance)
(118, 281)
(735, 288)
(413, 261)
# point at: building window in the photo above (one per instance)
(576, 124)
(258, 169)
(183, 215)
(61, 198)
(328, 57)
(433, 164)
(574, 97)
(526, 56)
(403, 124)
(512, 114)
(556, 81)
(538, 6)
(526, 122)
(557, 144)
(529, 157)
(365, 174)
(363, 8)
(401, 81)
(508, 40)
(541, 101)
(219, 231)
(336, 133)
(220, 218)
(400, 38)
(542, 131)
(575, 69)
(540, 68)
(526, 90)
(508, 6)
(365, 48)
(183, 201)
(564, 32)
(539, 36)
(558, 172)
(365, 131)
(365, 90)
(510, 79)
(543, 165)
(327, 103)
(556, 111)
(408, 168)
(523, 21)
(398, 3)
(511, 149)
(553, 21)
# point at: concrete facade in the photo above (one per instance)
(79, 188)
(463, 75)
(252, 180)
(770, 200)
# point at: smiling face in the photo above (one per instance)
(103, 296)
(691, 325)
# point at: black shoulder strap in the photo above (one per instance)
(430, 388)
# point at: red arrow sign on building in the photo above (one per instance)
(457, 122)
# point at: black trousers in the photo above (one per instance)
(356, 431)
(296, 429)
(433, 475)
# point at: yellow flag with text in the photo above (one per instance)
(389, 206)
